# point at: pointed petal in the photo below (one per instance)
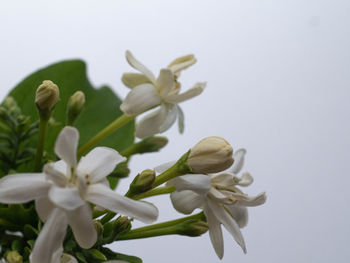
(80, 220)
(150, 124)
(140, 99)
(180, 119)
(66, 145)
(50, 238)
(223, 180)
(228, 222)
(170, 119)
(22, 188)
(66, 198)
(245, 180)
(44, 207)
(165, 81)
(139, 66)
(198, 183)
(186, 201)
(239, 214)
(132, 80)
(193, 92)
(215, 232)
(98, 163)
(182, 63)
(54, 173)
(238, 156)
(103, 196)
(252, 201)
(163, 167)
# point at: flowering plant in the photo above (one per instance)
(61, 159)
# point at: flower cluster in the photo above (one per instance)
(60, 205)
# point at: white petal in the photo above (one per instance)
(163, 167)
(44, 207)
(253, 201)
(66, 198)
(54, 174)
(66, 145)
(186, 201)
(198, 183)
(180, 119)
(98, 163)
(103, 196)
(165, 81)
(238, 157)
(140, 99)
(132, 80)
(228, 222)
(239, 214)
(223, 180)
(170, 119)
(215, 232)
(150, 124)
(182, 63)
(83, 229)
(56, 257)
(245, 180)
(139, 66)
(193, 92)
(50, 238)
(22, 188)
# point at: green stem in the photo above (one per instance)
(155, 191)
(161, 229)
(41, 141)
(129, 151)
(179, 168)
(119, 122)
(199, 216)
(107, 217)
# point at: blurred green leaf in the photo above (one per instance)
(102, 105)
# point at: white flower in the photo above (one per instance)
(147, 92)
(64, 191)
(220, 198)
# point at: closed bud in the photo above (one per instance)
(142, 182)
(210, 155)
(47, 96)
(14, 257)
(122, 224)
(98, 226)
(75, 106)
(192, 228)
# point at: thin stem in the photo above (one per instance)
(116, 124)
(107, 217)
(199, 216)
(166, 176)
(41, 142)
(172, 230)
(155, 191)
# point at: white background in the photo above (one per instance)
(278, 85)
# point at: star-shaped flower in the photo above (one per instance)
(220, 198)
(63, 194)
(147, 92)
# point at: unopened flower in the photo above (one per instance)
(220, 198)
(210, 155)
(147, 92)
(64, 191)
(47, 95)
(75, 106)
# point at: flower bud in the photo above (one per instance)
(47, 96)
(142, 182)
(192, 228)
(14, 257)
(75, 106)
(151, 144)
(210, 155)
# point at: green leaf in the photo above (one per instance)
(17, 216)
(101, 108)
(118, 256)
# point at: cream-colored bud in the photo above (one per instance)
(75, 106)
(47, 95)
(14, 257)
(210, 155)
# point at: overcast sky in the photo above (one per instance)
(278, 85)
